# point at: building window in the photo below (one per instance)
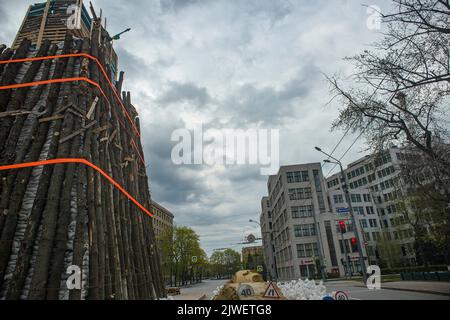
(356, 198)
(300, 193)
(364, 223)
(376, 236)
(302, 212)
(304, 230)
(307, 250)
(338, 198)
(290, 177)
(318, 186)
(297, 176)
(300, 251)
(305, 176)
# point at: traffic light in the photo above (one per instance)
(342, 226)
(353, 241)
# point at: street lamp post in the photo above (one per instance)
(350, 207)
(270, 243)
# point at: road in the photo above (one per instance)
(196, 291)
(353, 290)
(361, 293)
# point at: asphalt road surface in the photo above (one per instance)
(207, 287)
(360, 293)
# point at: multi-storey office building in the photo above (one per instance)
(163, 219)
(268, 238)
(376, 190)
(297, 224)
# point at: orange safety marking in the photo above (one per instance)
(82, 161)
(89, 57)
(35, 83)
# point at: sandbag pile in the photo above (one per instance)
(303, 290)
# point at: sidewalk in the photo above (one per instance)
(434, 287)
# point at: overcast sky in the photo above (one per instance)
(229, 64)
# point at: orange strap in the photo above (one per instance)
(89, 57)
(43, 82)
(82, 161)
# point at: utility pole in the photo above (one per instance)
(342, 228)
(272, 245)
(350, 208)
(320, 248)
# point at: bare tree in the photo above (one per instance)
(400, 94)
(400, 91)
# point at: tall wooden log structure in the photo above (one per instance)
(56, 216)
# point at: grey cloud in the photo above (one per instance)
(268, 105)
(237, 64)
(185, 92)
(177, 4)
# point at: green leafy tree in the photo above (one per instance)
(183, 260)
(224, 264)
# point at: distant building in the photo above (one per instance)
(252, 257)
(268, 238)
(163, 219)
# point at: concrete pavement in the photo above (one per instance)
(398, 290)
(436, 287)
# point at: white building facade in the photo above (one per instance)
(301, 217)
(298, 227)
(377, 191)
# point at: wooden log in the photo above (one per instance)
(80, 243)
(120, 82)
(61, 236)
(50, 214)
(20, 180)
(124, 223)
(123, 261)
(11, 153)
(98, 215)
(6, 55)
(137, 237)
(94, 273)
(8, 178)
(150, 240)
(114, 261)
(7, 141)
(11, 71)
(63, 220)
(105, 210)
